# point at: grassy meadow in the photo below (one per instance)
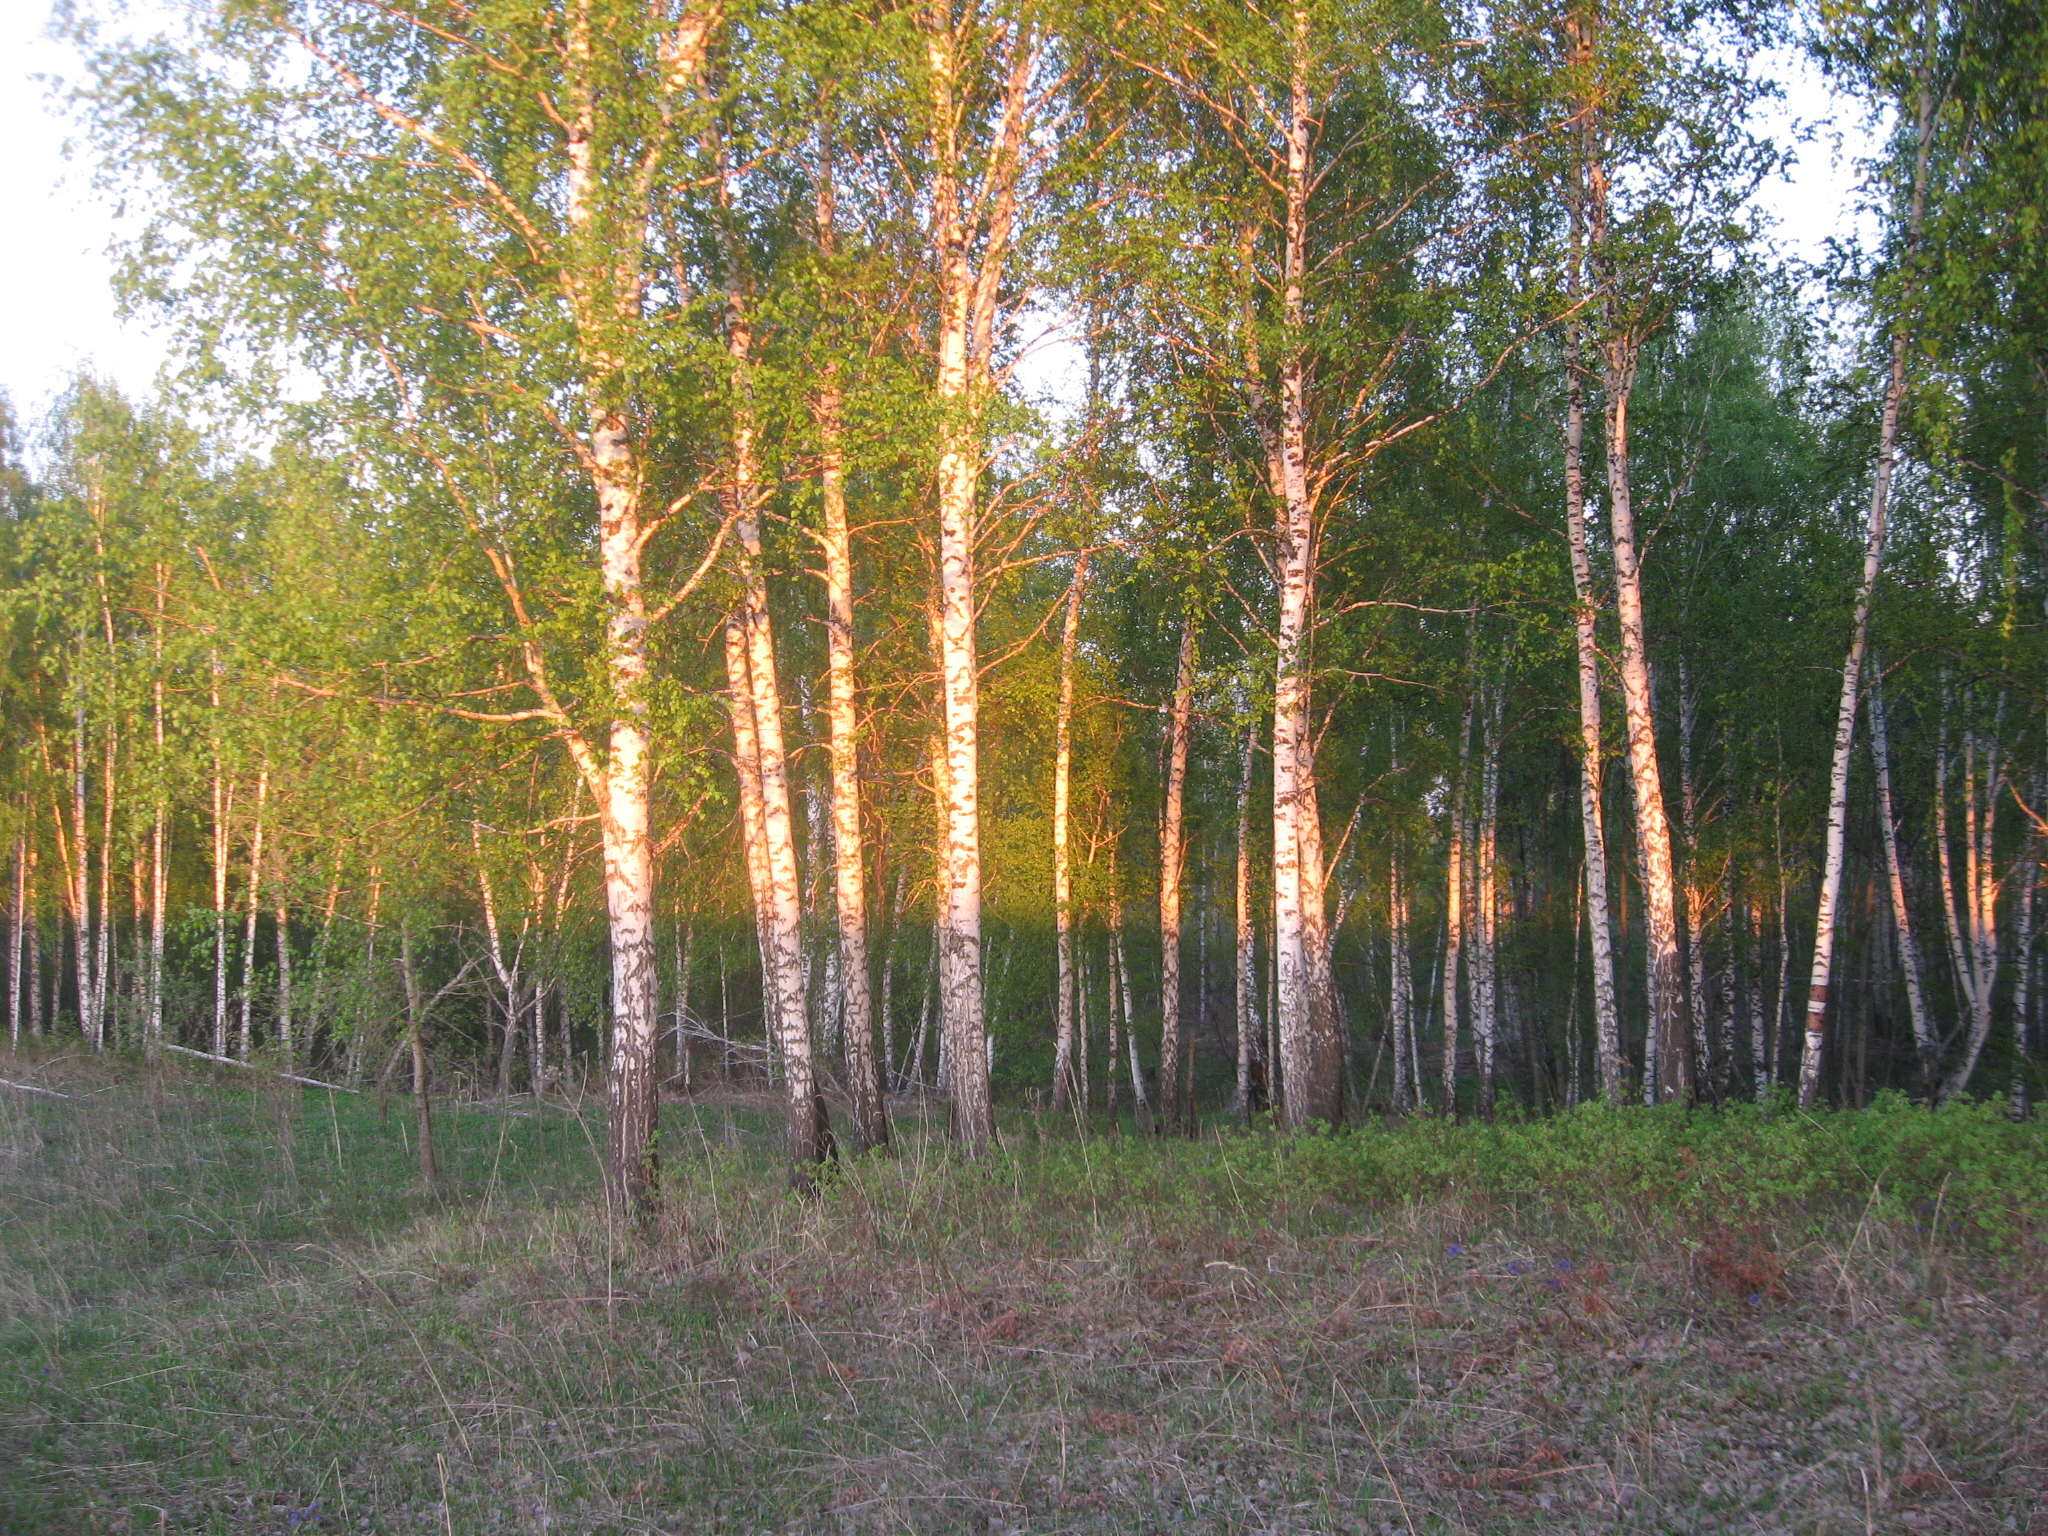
(226, 1306)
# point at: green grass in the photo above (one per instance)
(227, 1309)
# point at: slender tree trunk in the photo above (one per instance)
(863, 1077)
(1250, 1033)
(1673, 1056)
(1486, 906)
(1454, 914)
(893, 1067)
(286, 1044)
(1925, 1044)
(246, 1031)
(771, 862)
(1976, 937)
(1309, 1068)
(508, 981)
(1173, 1113)
(1859, 634)
(423, 1109)
(1401, 987)
(1140, 1100)
(2027, 872)
(17, 925)
(1618, 351)
(37, 1018)
(1697, 896)
(223, 809)
(1065, 1074)
(81, 877)
(968, 295)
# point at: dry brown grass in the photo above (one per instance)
(204, 1336)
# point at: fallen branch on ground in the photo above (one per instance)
(250, 1066)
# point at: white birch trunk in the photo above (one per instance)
(1173, 1113)
(223, 806)
(1065, 1073)
(1859, 634)
(971, 227)
(1250, 1033)
(1400, 987)
(159, 852)
(863, 1076)
(1925, 1043)
(286, 1045)
(1454, 915)
(81, 878)
(1486, 906)
(16, 928)
(245, 1034)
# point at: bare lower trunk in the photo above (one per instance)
(2027, 873)
(758, 696)
(1673, 1056)
(1859, 633)
(1697, 895)
(777, 911)
(286, 1045)
(1486, 907)
(245, 1033)
(1973, 922)
(1400, 988)
(81, 883)
(1925, 1044)
(1454, 914)
(1173, 1113)
(1066, 1074)
(223, 804)
(17, 925)
(1250, 1041)
(863, 1077)
(1140, 1100)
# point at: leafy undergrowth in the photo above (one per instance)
(229, 1310)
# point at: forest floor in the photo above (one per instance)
(227, 1308)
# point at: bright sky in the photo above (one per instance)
(58, 313)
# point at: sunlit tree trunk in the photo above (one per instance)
(1120, 978)
(1308, 1083)
(1698, 898)
(1173, 1114)
(245, 1033)
(1618, 350)
(1454, 912)
(223, 806)
(971, 228)
(1972, 921)
(863, 1077)
(159, 851)
(286, 1045)
(80, 874)
(1066, 1074)
(1486, 905)
(16, 928)
(1400, 987)
(1250, 1032)
(1924, 1041)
